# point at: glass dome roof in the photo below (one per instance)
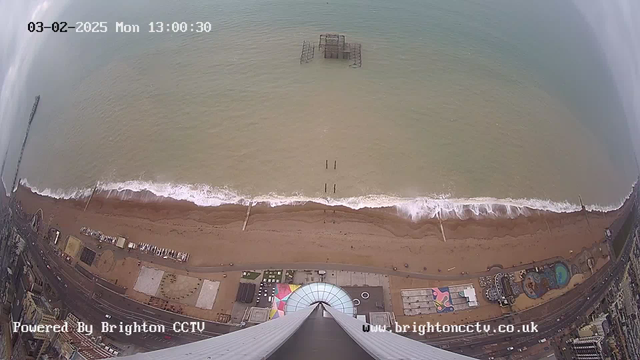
(320, 292)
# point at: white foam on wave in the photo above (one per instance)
(67, 194)
(415, 209)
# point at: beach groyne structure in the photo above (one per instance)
(24, 143)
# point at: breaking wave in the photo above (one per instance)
(68, 194)
(415, 209)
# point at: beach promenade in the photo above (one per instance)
(383, 245)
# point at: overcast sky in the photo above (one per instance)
(17, 47)
(617, 26)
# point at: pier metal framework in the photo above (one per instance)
(333, 46)
(308, 52)
(355, 54)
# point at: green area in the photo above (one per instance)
(250, 275)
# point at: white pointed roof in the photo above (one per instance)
(330, 294)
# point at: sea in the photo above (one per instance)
(457, 105)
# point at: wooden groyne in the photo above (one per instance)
(24, 143)
(246, 219)
(95, 188)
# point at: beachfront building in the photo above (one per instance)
(72, 345)
(588, 348)
(599, 326)
(36, 311)
(318, 323)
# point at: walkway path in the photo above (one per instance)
(451, 276)
(360, 268)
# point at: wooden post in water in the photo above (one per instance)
(335, 164)
(325, 188)
(334, 188)
(326, 164)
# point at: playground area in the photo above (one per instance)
(554, 276)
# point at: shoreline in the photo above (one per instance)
(313, 233)
(415, 209)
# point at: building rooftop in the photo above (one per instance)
(366, 299)
(320, 293)
(85, 346)
(41, 304)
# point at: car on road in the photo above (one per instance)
(542, 340)
(510, 348)
(107, 316)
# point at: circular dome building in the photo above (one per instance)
(329, 294)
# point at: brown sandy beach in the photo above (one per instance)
(315, 233)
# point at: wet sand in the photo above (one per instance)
(315, 233)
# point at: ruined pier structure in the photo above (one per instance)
(333, 46)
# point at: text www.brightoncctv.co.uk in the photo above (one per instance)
(429, 327)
